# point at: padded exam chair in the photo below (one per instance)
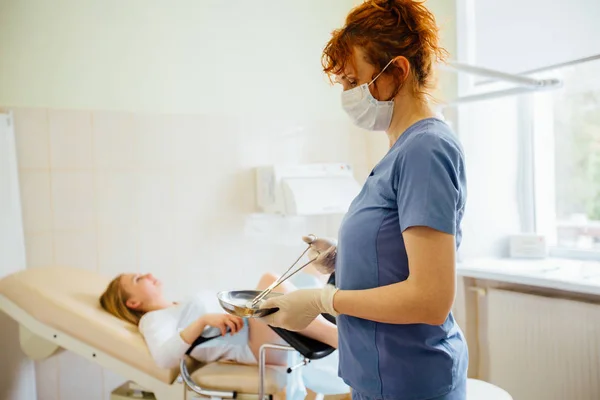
(310, 350)
(57, 309)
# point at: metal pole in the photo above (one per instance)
(187, 379)
(520, 79)
(527, 84)
(491, 95)
(262, 363)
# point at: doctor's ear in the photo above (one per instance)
(403, 68)
(133, 304)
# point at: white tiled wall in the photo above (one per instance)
(169, 194)
(166, 184)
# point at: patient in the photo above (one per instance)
(169, 328)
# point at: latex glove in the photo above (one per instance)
(325, 252)
(299, 308)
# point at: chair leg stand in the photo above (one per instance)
(262, 364)
(187, 379)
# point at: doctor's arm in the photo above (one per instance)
(425, 297)
(429, 188)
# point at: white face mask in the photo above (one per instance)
(365, 110)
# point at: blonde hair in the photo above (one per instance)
(114, 299)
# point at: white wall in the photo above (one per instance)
(214, 57)
(138, 125)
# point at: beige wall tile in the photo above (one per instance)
(155, 199)
(190, 242)
(32, 139)
(203, 143)
(47, 375)
(73, 200)
(39, 249)
(157, 251)
(77, 249)
(36, 200)
(117, 250)
(113, 140)
(154, 141)
(180, 214)
(197, 193)
(70, 139)
(190, 144)
(117, 194)
(79, 378)
(110, 382)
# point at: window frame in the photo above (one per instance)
(543, 157)
(536, 145)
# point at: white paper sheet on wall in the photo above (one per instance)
(17, 382)
(12, 245)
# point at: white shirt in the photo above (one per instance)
(161, 329)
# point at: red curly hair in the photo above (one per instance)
(385, 29)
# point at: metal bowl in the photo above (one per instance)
(235, 302)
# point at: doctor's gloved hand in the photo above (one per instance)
(299, 308)
(325, 252)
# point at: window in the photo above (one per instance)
(566, 124)
(537, 155)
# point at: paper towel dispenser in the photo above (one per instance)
(309, 189)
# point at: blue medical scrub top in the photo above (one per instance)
(420, 182)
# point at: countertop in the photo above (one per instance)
(553, 273)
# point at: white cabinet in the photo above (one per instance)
(533, 342)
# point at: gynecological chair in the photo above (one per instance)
(310, 350)
(57, 309)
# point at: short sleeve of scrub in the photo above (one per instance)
(428, 184)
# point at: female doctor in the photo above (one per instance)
(395, 256)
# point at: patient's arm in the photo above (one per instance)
(164, 340)
(193, 330)
(168, 344)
